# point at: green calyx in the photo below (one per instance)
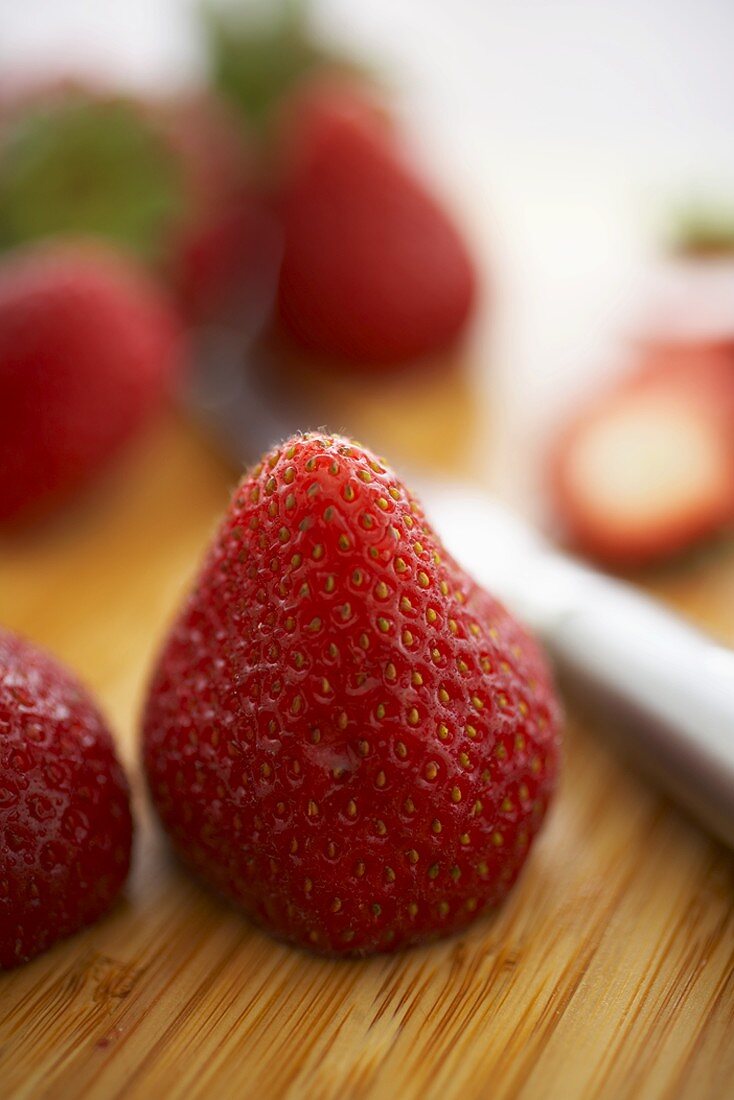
(93, 167)
(704, 231)
(257, 54)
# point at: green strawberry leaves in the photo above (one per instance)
(93, 167)
(257, 56)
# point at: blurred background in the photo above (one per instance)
(572, 145)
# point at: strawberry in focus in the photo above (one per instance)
(88, 351)
(65, 824)
(344, 734)
(646, 470)
(374, 271)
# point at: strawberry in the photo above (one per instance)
(373, 270)
(65, 825)
(344, 734)
(169, 181)
(88, 349)
(647, 469)
(223, 243)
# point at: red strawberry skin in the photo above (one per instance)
(374, 271)
(88, 351)
(344, 735)
(65, 824)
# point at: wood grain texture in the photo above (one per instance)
(609, 972)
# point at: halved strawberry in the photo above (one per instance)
(647, 469)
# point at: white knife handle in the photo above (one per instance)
(668, 689)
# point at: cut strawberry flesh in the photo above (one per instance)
(650, 469)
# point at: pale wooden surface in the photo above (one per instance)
(609, 973)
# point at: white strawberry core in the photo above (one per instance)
(652, 458)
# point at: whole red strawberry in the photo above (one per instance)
(373, 270)
(88, 351)
(65, 825)
(169, 181)
(344, 734)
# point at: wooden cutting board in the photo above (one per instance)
(608, 973)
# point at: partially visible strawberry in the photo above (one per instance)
(77, 159)
(171, 182)
(374, 270)
(646, 470)
(223, 242)
(344, 734)
(88, 351)
(65, 825)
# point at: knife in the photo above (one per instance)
(665, 689)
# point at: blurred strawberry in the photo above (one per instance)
(169, 181)
(374, 271)
(646, 469)
(65, 824)
(88, 349)
(224, 244)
